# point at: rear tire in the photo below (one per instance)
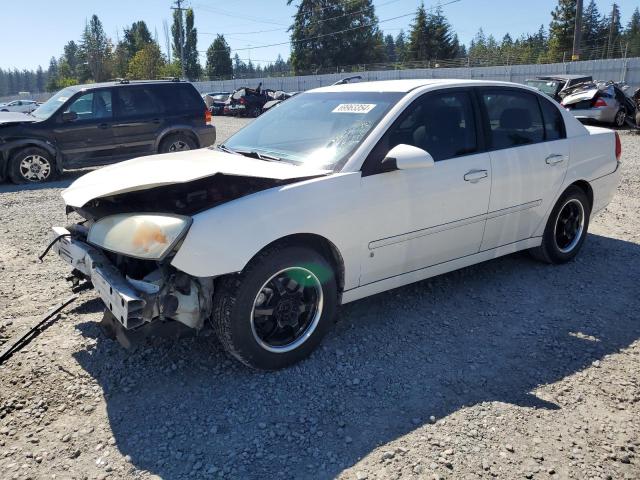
(277, 310)
(31, 165)
(566, 228)
(176, 142)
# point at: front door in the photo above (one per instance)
(87, 139)
(138, 120)
(529, 157)
(421, 217)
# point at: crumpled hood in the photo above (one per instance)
(16, 117)
(174, 168)
(579, 96)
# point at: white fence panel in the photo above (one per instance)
(615, 69)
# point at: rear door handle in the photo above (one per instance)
(474, 176)
(554, 158)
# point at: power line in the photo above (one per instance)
(314, 22)
(339, 32)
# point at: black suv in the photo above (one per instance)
(101, 123)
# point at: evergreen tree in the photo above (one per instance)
(561, 30)
(96, 49)
(40, 80)
(52, 75)
(315, 43)
(418, 47)
(632, 34)
(440, 36)
(612, 27)
(401, 47)
(219, 63)
(592, 30)
(136, 38)
(390, 48)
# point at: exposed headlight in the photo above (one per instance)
(140, 235)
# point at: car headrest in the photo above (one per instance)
(515, 119)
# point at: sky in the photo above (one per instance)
(35, 30)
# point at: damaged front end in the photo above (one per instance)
(136, 216)
(141, 296)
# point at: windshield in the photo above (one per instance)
(319, 129)
(49, 107)
(550, 87)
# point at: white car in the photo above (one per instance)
(339, 193)
(22, 106)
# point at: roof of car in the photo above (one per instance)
(122, 83)
(404, 86)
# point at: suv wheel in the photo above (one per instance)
(31, 165)
(177, 142)
(276, 311)
(620, 118)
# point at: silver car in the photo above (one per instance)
(602, 102)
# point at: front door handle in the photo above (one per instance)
(474, 176)
(554, 158)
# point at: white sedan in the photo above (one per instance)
(339, 193)
(22, 106)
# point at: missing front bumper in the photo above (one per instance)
(162, 294)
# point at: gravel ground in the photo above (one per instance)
(508, 369)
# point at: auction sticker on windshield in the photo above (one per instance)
(354, 108)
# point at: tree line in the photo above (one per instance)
(327, 35)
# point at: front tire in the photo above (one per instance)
(566, 228)
(620, 118)
(277, 310)
(31, 165)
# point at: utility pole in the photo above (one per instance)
(613, 21)
(577, 33)
(179, 9)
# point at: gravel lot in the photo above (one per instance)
(508, 369)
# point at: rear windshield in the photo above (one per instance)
(550, 87)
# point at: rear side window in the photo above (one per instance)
(553, 121)
(180, 98)
(514, 118)
(136, 102)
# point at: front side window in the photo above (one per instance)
(319, 129)
(49, 107)
(514, 118)
(442, 124)
(92, 106)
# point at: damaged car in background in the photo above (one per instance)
(335, 195)
(603, 102)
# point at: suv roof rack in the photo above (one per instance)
(171, 79)
(122, 81)
(346, 80)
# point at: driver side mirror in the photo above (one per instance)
(407, 157)
(69, 117)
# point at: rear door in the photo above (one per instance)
(529, 156)
(138, 120)
(87, 140)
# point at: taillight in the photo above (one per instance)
(207, 117)
(599, 102)
(618, 147)
(243, 101)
